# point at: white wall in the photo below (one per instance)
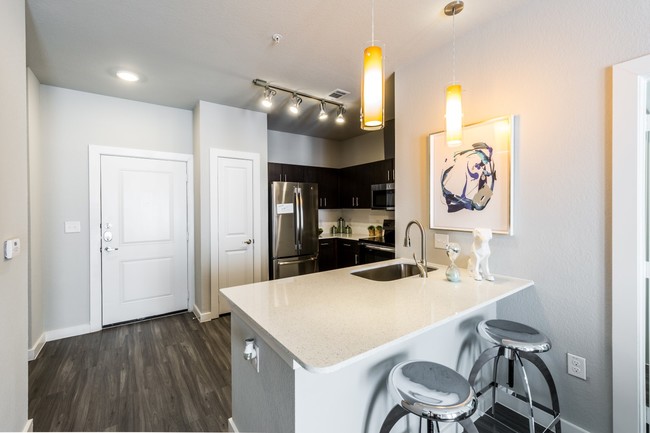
(548, 62)
(227, 128)
(36, 216)
(13, 217)
(70, 121)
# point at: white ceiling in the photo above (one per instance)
(211, 50)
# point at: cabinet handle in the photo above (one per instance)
(357, 199)
(388, 175)
(393, 174)
(324, 244)
(325, 201)
(356, 259)
(352, 201)
(320, 202)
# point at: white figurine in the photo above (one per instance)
(478, 259)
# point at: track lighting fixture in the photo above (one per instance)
(268, 95)
(296, 99)
(294, 108)
(322, 114)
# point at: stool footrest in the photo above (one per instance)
(506, 420)
(513, 393)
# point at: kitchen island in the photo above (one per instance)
(327, 342)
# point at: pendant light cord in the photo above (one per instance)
(453, 47)
(373, 22)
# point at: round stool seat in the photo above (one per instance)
(433, 391)
(513, 335)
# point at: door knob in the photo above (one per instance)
(109, 249)
(108, 236)
(248, 242)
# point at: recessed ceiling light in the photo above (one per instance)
(127, 75)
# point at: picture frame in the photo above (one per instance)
(471, 185)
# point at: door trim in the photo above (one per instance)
(215, 154)
(629, 82)
(94, 194)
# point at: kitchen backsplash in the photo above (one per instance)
(357, 219)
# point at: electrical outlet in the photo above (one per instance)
(576, 366)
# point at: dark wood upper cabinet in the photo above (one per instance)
(286, 172)
(338, 188)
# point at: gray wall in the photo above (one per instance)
(13, 216)
(227, 128)
(548, 62)
(69, 122)
(36, 215)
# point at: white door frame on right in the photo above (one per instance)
(629, 197)
(215, 154)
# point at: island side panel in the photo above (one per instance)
(264, 401)
(356, 398)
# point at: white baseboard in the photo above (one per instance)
(203, 317)
(32, 353)
(29, 426)
(73, 331)
(231, 426)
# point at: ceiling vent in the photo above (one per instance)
(338, 94)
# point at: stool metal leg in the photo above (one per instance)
(541, 366)
(529, 396)
(468, 426)
(395, 414)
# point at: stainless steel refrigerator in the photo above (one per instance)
(294, 228)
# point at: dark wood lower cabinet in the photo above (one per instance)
(326, 254)
(337, 253)
(347, 253)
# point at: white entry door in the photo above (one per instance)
(144, 238)
(234, 225)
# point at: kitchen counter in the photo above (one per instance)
(328, 320)
(353, 236)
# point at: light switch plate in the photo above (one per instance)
(440, 241)
(72, 227)
(11, 248)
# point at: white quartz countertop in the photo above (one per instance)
(353, 236)
(328, 320)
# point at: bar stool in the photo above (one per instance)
(432, 392)
(514, 342)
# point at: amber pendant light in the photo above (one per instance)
(372, 84)
(454, 106)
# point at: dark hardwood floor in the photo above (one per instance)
(166, 374)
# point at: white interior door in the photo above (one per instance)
(235, 224)
(144, 238)
(234, 207)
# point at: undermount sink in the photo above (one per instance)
(391, 272)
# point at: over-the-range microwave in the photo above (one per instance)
(382, 196)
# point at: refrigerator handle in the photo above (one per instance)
(296, 224)
(300, 219)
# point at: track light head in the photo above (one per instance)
(294, 108)
(339, 116)
(322, 115)
(268, 95)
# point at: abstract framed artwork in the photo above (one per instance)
(472, 185)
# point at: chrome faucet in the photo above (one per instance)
(422, 264)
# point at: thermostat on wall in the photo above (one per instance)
(12, 248)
